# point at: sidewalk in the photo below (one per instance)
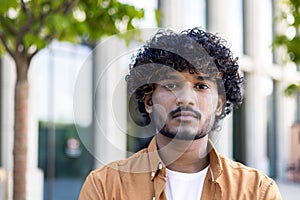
(289, 190)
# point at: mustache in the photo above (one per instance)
(185, 108)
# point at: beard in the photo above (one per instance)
(183, 134)
(184, 131)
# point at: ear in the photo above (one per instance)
(221, 101)
(148, 104)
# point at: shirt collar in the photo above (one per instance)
(157, 164)
(214, 162)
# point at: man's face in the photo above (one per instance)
(184, 105)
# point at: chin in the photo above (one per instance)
(190, 137)
(182, 134)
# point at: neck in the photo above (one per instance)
(183, 156)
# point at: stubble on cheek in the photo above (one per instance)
(159, 116)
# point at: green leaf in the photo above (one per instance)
(51, 22)
(291, 90)
(294, 49)
(6, 4)
(158, 15)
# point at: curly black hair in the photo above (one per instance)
(192, 49)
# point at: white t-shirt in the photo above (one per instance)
(184, 185)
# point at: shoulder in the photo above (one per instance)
(135, 163)
(229, 164)
(248, 177)
(237, 167)
(103, 183)
(241, 171)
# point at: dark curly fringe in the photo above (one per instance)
(193, 49)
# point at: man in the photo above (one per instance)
(183, 84)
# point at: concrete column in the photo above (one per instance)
(226, 19)
(217, 17)
(258, 31)
(111, 65)
(172, 13)
(181, 15)
(7, 125)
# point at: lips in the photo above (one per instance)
(185, 114)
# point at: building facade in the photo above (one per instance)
(258, 134)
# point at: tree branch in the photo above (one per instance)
(3, 39)
(65, 8)
(68, 6)
(23, 6)
(41, 19)
(26, 27)
(33, 54)
(10, 28)
(49, 38)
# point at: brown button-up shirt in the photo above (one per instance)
(143, 176)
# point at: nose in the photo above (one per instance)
(186, 96)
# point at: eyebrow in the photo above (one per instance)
(204, 78)
(173, 77)
(199, 78)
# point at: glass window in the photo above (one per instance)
(62, 154)
(56, 69)
(239, 131)
(271, 128)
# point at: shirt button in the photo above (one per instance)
(160, 166)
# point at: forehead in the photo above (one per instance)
(188, 76)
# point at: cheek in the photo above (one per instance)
(165, 100)
(161, 104)
(159, 111)
(207, 103)
(159, 116)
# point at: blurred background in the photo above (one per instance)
(78, 118)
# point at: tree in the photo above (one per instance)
(290, 39)
(27, 26)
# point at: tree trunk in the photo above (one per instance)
(20, 131)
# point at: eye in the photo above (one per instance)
(170, 86)
(202, 86)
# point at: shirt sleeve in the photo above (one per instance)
(89, 190)
(271, 191)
